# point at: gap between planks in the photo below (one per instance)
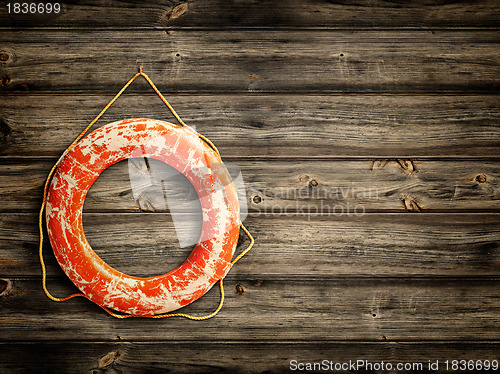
(13, 159)
(235, 342)
(254, 28)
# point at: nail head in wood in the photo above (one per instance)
(480, 178)
(6, 79)
(239, 289)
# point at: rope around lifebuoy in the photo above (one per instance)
(44, 202)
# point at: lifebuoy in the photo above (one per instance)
(179, 147)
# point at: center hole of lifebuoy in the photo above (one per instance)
(142, 217)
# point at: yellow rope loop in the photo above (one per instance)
(44, 202)
(161, 97)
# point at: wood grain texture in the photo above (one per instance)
(294, 310)
(232, 357)
(253, 61)
(285, 13)
(291, 126)
(307, 97)
(281, 186)
(377, 245)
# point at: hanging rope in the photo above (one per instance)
(44, 202)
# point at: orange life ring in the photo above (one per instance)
(179, 147)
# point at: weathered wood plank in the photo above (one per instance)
(278, 185)
(253, 61)
(226, 357)
(294, 126)
(284, 13)
(314, 310)
(379, 245)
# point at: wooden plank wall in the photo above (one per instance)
(397, 98)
